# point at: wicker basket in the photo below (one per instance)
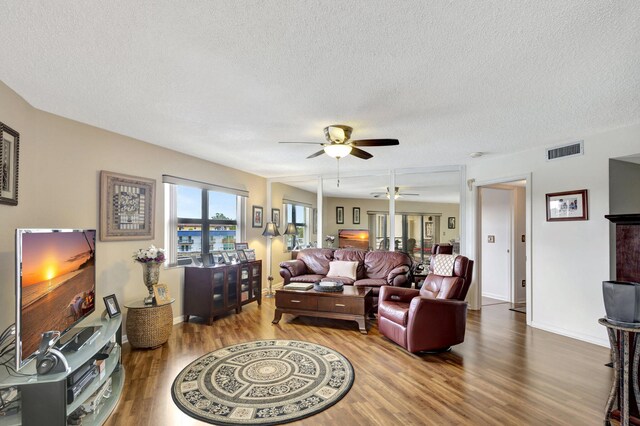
(149, 327)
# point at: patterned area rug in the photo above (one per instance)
(262, 382)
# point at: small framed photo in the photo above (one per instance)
(113, 309)
(568, 205)
(356, 215)
(225, 257)
(241, 256)
(340, 215)
(451, 222)
(250, 254)
(161, 292)
(241, 246)
(256, 214)
(216, 258)
(275, 217)
(233, 256)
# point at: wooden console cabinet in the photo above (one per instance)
(215, 290)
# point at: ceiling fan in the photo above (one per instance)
(339, 144)
(397, 193)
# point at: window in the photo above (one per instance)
(299, 215)
(201, 219)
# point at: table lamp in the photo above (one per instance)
(270, 231)
(291, 230)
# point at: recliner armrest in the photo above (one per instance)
(396, 294)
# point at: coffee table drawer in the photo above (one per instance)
(345, 305)
(296, 301)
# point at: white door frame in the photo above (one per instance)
(477, 241)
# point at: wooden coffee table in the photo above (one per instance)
(353, 303)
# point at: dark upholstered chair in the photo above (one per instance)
(432, 318)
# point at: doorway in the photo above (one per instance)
(502, 245)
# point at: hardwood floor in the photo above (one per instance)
(504, 373)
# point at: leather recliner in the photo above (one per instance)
(432, 318)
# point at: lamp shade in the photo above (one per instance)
(291, 229)
(270, 230)
(337, 150)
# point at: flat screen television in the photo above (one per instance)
(55, 284)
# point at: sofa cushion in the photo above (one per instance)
(317, 260)
(352, 255)
(370, 282)
(343, 280)
(339, 268)
(378, 264)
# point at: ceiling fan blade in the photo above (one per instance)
(309, 143)
(407, 193)
(377, 195)
(315, 154)
(356, 152)
(375, 142)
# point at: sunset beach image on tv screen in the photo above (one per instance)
(57, 282)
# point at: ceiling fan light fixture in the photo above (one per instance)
(337, 150)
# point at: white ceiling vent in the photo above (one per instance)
(563, 151)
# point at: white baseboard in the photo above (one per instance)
(579, 336)
(495, 296)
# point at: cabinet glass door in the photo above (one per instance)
(218, 289)
(232, 287)
(256, 277)
(245, 284)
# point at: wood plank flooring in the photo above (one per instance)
(503, 374)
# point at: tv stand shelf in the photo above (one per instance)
(44, 398)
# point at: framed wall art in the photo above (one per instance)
(9, 162)
(568, 205)
(340, 215)
(256, 215)
(356, 215)
(275, 217)
(126, 207)
(451, 223)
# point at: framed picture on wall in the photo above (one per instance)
(356, 215)
(568, 205)
(126, 207)
(451, 222)
(9, 153)
(275, 217)
(256, 215)
(340, 215)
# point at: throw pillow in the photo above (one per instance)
(443, 264)
(339, 268)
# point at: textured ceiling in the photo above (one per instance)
(226, 80)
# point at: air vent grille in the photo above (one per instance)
(564, 151)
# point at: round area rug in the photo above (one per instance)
(262, 382)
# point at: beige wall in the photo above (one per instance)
(331, 227)
(60, 162)
(280, 192)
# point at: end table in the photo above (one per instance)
(148, 326)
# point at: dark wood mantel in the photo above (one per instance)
(625, 219)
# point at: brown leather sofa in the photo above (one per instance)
(375, 268)
(432, 318)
